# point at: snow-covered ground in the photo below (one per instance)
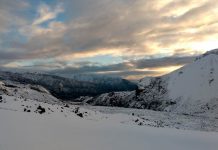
(127, 116)
(24, 126)
(25, 131)
(160, 119)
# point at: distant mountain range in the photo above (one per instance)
(69, 88)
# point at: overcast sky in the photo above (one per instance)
(128, 38)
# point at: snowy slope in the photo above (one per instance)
(191, 89)
(144, 82)
(35, 99)
(34, 92)
(195, 86)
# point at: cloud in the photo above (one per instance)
(146, 34)
(45, 13)
(123, 26)
(9, 11)
(142, 67)
(164, 62)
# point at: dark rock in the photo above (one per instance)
(80, 115)
(140, 124)
(210, 81)
(40, 109)
(76, 110)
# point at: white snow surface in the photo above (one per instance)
(25, 131)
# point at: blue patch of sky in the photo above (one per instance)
(34, 4)
(102, 59)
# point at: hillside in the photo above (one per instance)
(191, 89)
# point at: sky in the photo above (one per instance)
(126, 38)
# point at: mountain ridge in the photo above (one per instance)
(67, 88)
(191, 89)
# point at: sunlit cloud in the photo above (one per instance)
(91, 53)
(66, 32)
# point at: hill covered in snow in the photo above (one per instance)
(191, 89)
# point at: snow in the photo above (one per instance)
(195, 86)
(1, 83)
(156, 118)
(196, 76)
(25, 131)
(144, 82)
(37, 93)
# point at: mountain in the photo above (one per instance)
(67, 88)
(191, 89)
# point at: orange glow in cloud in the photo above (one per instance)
(91, 53)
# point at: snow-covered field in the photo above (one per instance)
(151, 118)
(29, 131)
(23, 127)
